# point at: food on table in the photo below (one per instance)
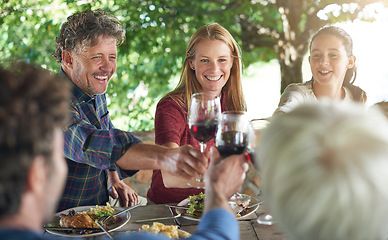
(99, 211)
(242, 206)
(196, 204)
(243, 202)
(171, 231)
(81, 220)
(87, 219)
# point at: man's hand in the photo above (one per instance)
(118, 189)
(185, 161)
(223, 179)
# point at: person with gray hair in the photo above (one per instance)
(99, 155)
(324, 168)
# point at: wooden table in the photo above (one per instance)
(249, 228)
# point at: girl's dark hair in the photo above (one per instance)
(351, 74)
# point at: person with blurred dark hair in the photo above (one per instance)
(33, 111)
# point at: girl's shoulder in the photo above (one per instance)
(305, 85)
(304, 88)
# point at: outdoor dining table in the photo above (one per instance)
(249, 228)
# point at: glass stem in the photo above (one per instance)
(202, 146)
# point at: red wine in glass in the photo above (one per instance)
(202, 117)
(233, 137)
(204, 131)
(232, 142)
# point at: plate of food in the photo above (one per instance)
(170, 231)
(193, 207)
(82, 220)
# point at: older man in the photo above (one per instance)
(87, 51)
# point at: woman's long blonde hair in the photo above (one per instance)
(188, 84)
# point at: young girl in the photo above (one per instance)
(333, 68)
(212, 65)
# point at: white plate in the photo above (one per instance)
(112, 227)
(185, 202)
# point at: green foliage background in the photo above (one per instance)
(157, 32)
(151, 56)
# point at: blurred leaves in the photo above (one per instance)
(157, 33)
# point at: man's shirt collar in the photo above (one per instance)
(79, 94)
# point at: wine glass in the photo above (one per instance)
(259, 125)
(265, 219)
(233, 136)
(202, 118)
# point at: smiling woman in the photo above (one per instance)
(332, 65)
(212, 65)
(261, 81)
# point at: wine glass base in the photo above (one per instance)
(265, 219)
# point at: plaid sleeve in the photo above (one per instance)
(122, 173)
(85, 143)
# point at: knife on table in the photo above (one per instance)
(72, 229)
(177, 222)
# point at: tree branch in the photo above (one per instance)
(250, 29)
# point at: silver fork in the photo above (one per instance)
(177, 222)
(103, 219)
(103, 229)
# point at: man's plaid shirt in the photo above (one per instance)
(92, 145)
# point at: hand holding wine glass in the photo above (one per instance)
(202, 118)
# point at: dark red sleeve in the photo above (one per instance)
(170, 122)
